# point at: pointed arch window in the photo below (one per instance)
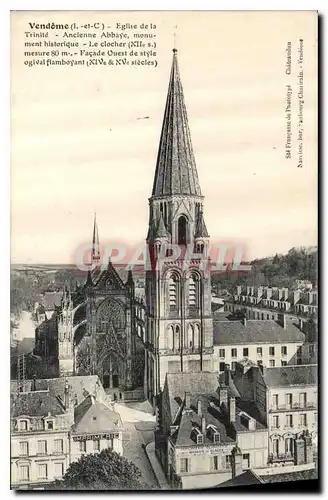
(177, 338)
(170, 338)
(196, 336)
(182, 230)
(199, 247)
(190, 340)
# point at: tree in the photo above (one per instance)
(106, 470)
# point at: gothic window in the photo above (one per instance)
(182, 230)
(110, 311)
(177, 338)
(199, 247)
(173, 292)
(191, 341)
(170, 338)
(196, 336)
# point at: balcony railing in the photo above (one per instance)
(281, 457)
(295, 406)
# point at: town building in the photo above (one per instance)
(266, 302)
(200, 425)
(178, 288)
(53, 423)
(96, 428)
(285, 400)
(265, 342)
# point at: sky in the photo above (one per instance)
(78, 148)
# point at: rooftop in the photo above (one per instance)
(35, 404)
(195, 382)
(91, 416)
(79, 386)
(215, 415)
(286, 376)
(246, 478)
(254, 331)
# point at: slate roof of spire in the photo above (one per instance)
(201, 229)
(176, 171)
(161, 231)
(95, 240)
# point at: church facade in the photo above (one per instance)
(179, 328)
(99, 329)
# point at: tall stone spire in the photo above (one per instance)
(95, 255)
(176, 171)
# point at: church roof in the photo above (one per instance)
(201, 229)
(176, 171)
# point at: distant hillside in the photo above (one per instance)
(278, 270)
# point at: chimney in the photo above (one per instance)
(34, 383)
(66, 395)
(187, 399)
(236, 462)
(199, 407)
(301, 324)
(282, 320)
(232, 409)
(226, 374)
(223, 395)
(203, 424)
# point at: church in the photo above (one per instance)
(103, 328)
(100, 327)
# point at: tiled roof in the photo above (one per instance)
(286, 376)
(244, 479)
(91, 416)
(210, 409)
(80, 386)
(257, 331)
(35, 404)
(195, 382)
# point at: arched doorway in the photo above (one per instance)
(182, 230)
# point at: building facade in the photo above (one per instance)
(265, 342)
(285, 400)
(263, 302)
(56, 421)
(199, 426)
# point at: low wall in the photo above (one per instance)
(280, 469)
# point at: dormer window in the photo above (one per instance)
(23, 425)
(216, 437)
(49, 425)
(200, 439)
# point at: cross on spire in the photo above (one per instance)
(175, 38)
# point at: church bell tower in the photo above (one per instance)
(179, 329)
